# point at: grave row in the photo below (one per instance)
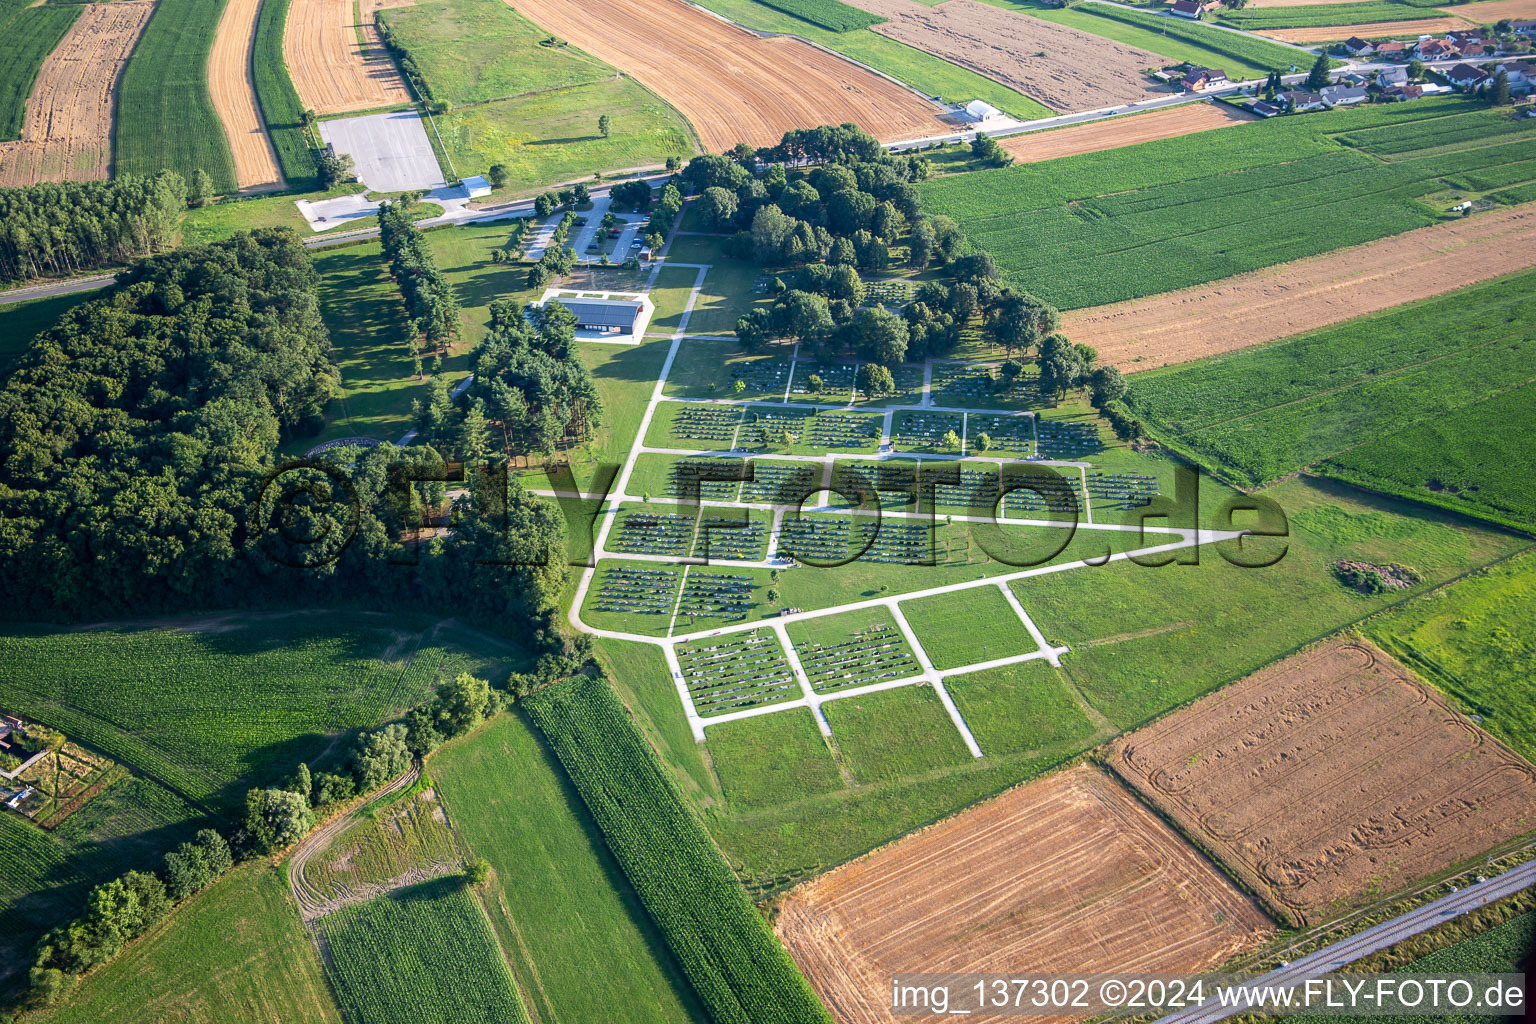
(868, 656)
(637, 590)
(734, 672)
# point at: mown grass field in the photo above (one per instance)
(1395, 401)
(1474, 641)
(893, 734)
(237, 954)
(219, 704)
(1145, 219)
(423, 953)
(1019, 708)
(45, 875)
(1144, 640)
(772, 759)
(165, 115)
(1318, 15)
(558, 902)
(471, 51)
(967, 626)
(279, 101)
(31, 33)
(922, 71)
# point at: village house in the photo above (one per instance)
(1344, 95)
(1188, 9)
(1299, 100)
(1264, 108)
(1392, 49)
(1522, 75)
(1202, 78)
(1388, 77)
(1357, 47)
(1436, 49)
(1468, 77)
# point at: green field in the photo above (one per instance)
(237, 954)
(1180, 40)
(772, 759)
(832, 15)
(216, 705)
(1020, 708)
(722, 942)
(30, 36)
(893, 734)
(1322, 15)
(45, 875)
(424, 953)
(402, 833)
(1392, 400)
(280, 106)
(923, 71)
(1144, 640)
(166, 119)
(551, 137)
(1473, 640)
(471, 51)
(1144, 219)
(967, 626)
(558, 902)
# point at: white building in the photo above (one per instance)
(980, 110)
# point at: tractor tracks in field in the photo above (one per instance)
(311, 901)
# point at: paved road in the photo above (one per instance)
(1388, 933)
(47, 291)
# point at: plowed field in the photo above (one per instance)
(1332, 778)
(234, 96)
(1122, 131)
(1277, 302)
(732, 85)
(1068, 874)
(68, 132)
(1372, 30)
(1495, 10)
(1062, 67)
(332, 73)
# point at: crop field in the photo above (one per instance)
(731, 85)
(1131, 231)
(1331, 825)
(45, 875)
(67, 133)
(408, 834)
(30, 36)
(1062, 67)
(1179, 39)
(1073, 857)
(1269, 411)
(423, 953)
(281, 109)
(238, 954)
(719, 938)
(967, 627)
(232, 84)
(1293, 298)
(832, 15)
(209, 712)
(1261, 19)
(1021, 708)
(167, 119)
(1074, 140)
(557, 900)
(1471, 641)
(1369, 30)
(772, 760)
(893, 734)
(338, 62)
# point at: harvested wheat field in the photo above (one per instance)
(68, 131)
(1278, 302)
(732, 85)
(234, 96)
(1298, 3)
(1067, 874)
(1114, 132)
(333, 73)
(1332, 778)
(1496, 10)
(1077, 72)
(1372, 30)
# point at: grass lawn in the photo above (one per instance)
(471, 51)
(772, 759)
(967, 626)
(237, 954)
(20, 322)
(552, 137)
(1025, 707)
(709, 369)
(669, 417)
(892, 734)
(1145, 640)
(1474, 641)
(670, 294)
(218, 221)
(727, 293)
(557, 901)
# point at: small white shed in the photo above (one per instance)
(476, 187)
(980, 110)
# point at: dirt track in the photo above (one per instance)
(1122, 131)
(1409, 30)
(329, 69)
(1067, 874)
(732, 85)
(1277, 302)
(68, 130)
(1076, 72)
(1332, 778)
(311, 902)
(234, 96)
